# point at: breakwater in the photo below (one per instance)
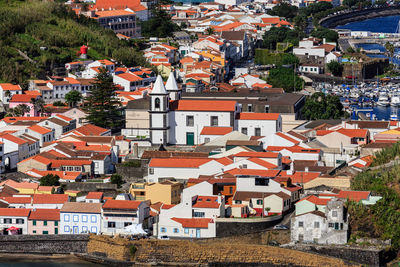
(333, 21)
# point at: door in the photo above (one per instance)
(75, 230)
(189, 139)
(197, 233)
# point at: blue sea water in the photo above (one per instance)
(382, 24)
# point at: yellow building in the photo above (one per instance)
(214, 57)
(167, 192)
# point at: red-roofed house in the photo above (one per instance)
(182, 168)
(15, 219)
(209, 133)
(259, 124)
(122, 216)
(94, 197)
(44, 222)
(195, 216)
(43, 134)
(7, 90)
(311, 203)
(344, 137)
(49, 201)
(19, 99)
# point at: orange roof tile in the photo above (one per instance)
(208, 130)
(129, 77)
(69, 162)
(203, 105)
(224, 161)
(178, 162)
(284, 136)
(22, 98)
(13, 139)
(207, 202)
(354, 195)
(50, 198)
(64, 117)
(267, 173)
(94, 195)
(352, 133)
(316, 200)
(257, 154)
(14, 212)
(90, 129)
(10, 87)
(263, 163)
(258, 116)
(121, 204)
(45, 215)
(40, 129)
(193, 222)
(323, 132)
(17, 200)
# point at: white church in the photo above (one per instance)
(167, 119)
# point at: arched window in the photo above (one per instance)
(157, 103)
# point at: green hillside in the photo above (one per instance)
(28, 26)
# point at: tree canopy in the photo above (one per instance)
(329, 35)
(159, 25)
(335, 68)
(285, 78)
(284, 10)
(101, 104)
(321, 106)
(116, 179)
(281, 34)
(50, 34)
(50, 180)
(73, 97)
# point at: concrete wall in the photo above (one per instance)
(46, 244)
(89, 187)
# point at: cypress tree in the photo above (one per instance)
(101, 104)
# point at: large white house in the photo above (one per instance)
(195, 216)
(80, 217)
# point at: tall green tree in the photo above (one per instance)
(284, 10)
(101, 104)
(285, 78)
(281, 34)
(335, 68)
(159, 25)
(73, 97)
(50, 180)
(321, 106)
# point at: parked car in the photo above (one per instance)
(164, 237)
(274, 243)
(281, 227)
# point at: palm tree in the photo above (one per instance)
(390, 50)
(24, 108)
(38, 105)
(210, 31)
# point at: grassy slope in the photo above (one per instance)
(27, 26)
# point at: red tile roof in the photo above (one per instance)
(354, 195)
(17, 200)
(203, 105)
(208, 130)
(129, 77)
(207, 202)
(316, 200)
(50, 198)
(258, 116)
(178, 162)
(94, 195)
(13, 139)
(40, 129)
(263, 163)
(267, 173)
(22, 98)
(193, 222)
(69, 162)
(10, 87)
(257, 154)
(224, 161)
(121, 204)
(354, 132)
(90, 129)
(323, 132)
(14, 212)
(288, 138)
(301, 177)
(45, 215)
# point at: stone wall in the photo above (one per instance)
(44, 244)
(132, 173)
(367, 256)
(114, 248)
(231, 226)
(187, 253)
(341, 19)
(90, 187)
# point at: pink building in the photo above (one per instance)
(44, 222)
(17, 100)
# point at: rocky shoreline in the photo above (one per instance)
(342, 19)
(50, 259)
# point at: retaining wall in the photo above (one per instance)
(232, 226)
(44, 244)
(341, 19)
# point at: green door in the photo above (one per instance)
(189, 139)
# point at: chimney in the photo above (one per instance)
(306, 169)
(290, 171)
(324, 40)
